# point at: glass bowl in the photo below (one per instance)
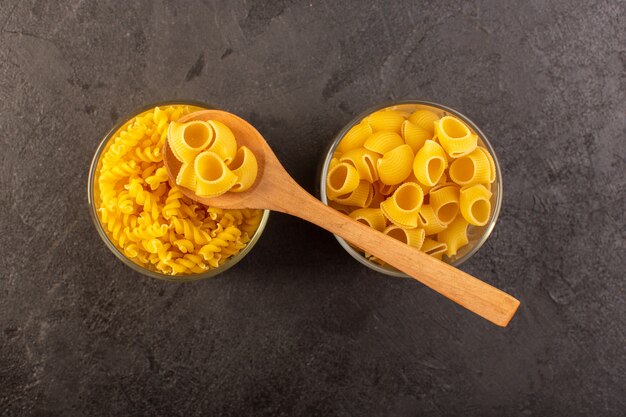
(92, 193)
(476, 235)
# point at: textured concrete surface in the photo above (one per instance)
(299, 328)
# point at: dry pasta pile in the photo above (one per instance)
(152, 223)
(418, 177)
(212, 163)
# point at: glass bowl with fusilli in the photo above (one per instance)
(145, 220)
(418, 171)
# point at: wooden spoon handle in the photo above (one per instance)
(477, 296)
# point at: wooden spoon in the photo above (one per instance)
(274, 189)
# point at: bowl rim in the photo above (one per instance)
(100, 229)
(357, 119)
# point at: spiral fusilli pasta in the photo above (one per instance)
(153, 223)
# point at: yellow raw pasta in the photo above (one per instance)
(385, 120)
(444, 200)
(423, 166)
(455, 137)
(245, 167)
(372, 217)
(414, 135)
(385, 189)
(342, 179)
(189, 139)
(427, 219)
(154, 224)
(217, 139)
(424, 119)
(430, 163)
(412, 237)
(475, 204)
(224, 143)
(395, 165)
(173, 203)
(186, 176)
(355, 137)
(364, 161)
(383, 142)
(213, 178)
(377, 197)
(403, 206)
(434, 248)
(473, 168)
(360, 197)
(454, 236)
(492, 164)
(160, 176)
(426, 188)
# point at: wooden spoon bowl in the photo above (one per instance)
(274, 189)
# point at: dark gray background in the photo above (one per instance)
(298, 327)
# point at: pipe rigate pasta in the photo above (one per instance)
(454, 236)
(455, 137)
(364, 161)
(372, 217)
(386, 121)
(414, 135)
(434, 248)
(430, 163)
(153, 223)
(383, 141)
(213, 177)
(244, 166)
(395, 165)
(189, 139)
(424, 119)
(427, 219)
(412, 237)
(475, 204)
(492, 164)
(473, 168)
(342, 179)
(355, 137)
(433, 155)
(187, 176)
(224, 143)
(403, 206)
(219, 166)
(361, 196)
(444, 200)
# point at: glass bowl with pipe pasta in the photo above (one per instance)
(145, 220)
(421, 172)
